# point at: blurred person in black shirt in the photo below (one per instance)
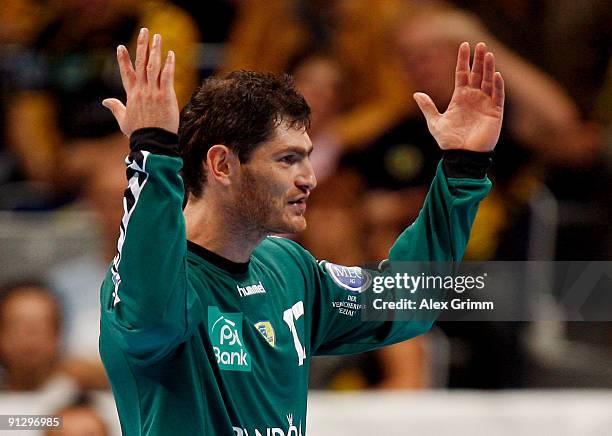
(56, 123)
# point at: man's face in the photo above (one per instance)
(270, 196)
(29, 336)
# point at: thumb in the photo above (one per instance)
(116, 107)
(426, 105)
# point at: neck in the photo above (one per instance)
(213, 227)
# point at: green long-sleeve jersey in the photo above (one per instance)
(195, 344)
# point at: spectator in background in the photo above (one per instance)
(19, 22)
(581, 28)
(534, 136)
(56, 124)
(402, 159)
(30, 332)
(79, 278)
(558, 136)
(31, 323)
(79, 419)
(63, 136)
(267, 34)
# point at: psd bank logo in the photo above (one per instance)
(225, 331)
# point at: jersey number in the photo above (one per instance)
(290, 316)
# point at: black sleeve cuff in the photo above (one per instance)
(465, 164)
(155, 140)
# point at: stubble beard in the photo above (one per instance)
(258, 212)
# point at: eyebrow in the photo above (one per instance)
(297, 150)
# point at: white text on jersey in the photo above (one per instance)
(251, 289)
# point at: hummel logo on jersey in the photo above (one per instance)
(225, 331)
(251, 289)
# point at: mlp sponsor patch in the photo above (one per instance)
(352, 278)
(267, 331)
(225, 331)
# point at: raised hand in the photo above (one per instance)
(151, 101)
(474, 115)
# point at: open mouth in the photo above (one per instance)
(299, 205)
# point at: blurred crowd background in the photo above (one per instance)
(357, 62)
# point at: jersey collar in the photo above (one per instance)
(219, 261)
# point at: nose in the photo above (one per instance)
(306, 180)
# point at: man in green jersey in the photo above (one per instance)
(209, 322)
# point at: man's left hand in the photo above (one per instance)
(474, 115)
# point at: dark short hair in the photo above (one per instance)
(241, 111)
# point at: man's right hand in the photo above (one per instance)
(151, 101)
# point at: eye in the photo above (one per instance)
(290, 159)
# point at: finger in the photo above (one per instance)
(487, 77)
(128, 75)
(427, 106)
(462, 71)
(116, 107)
(142, 53)
(478, 65)
(154, 62)
(498, 90)
(167, 74)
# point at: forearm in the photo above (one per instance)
(442, 229)
(152, 243)
(440, 233)
(148, 305)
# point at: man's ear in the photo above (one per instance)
(221, 163)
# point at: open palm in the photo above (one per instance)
(474, 115)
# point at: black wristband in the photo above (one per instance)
(465, 164)
(155, 140)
